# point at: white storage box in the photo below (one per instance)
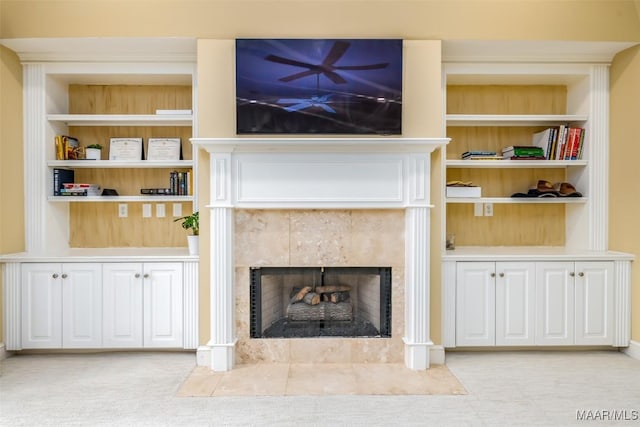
(464, 191)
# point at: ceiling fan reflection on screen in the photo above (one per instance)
(326, 68)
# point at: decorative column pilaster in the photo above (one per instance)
(416, 339)
(223, 333)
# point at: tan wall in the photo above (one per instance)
(11, 179)
(607, 20)
(415, 19)
(624, 176)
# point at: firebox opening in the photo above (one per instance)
(303, 302)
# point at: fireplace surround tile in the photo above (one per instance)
(261, 237)
(310, 238)
(320, 237)
(325, 350)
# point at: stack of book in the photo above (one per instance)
(480, 155)
(77, 189)
(180, 183)
(560, 143)
(523, 152)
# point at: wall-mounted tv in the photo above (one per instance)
(319, 86)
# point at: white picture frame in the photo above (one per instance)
(164, 149)
(125, 149)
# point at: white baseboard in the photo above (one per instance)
(633, 350)
(436, 355)
(203, 355)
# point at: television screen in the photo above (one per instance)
(319, 86)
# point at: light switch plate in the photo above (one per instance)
(177, 210)
(123, 210)
(478, 209)
(146, 210)
(160, 212)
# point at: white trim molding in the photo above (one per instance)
(633, 350)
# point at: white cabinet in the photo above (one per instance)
(475, 303)
(61, 305)
(122, 305)
(554, 303)
(522, 303)
(575, 303)
(143, 305)
(515, 303)
(494, 303)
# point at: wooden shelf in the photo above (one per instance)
(120, 199)
(501, 164)
(518, 200)
(122, 119)
(511, 120)
(110, 164)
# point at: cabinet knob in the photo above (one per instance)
(55, 275)
(572, 274)
(501, 274)
(493, 274)
(581, 274)
(146, 276)
(137, 276)
(64, 275)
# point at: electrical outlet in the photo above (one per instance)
(488, 209)
(160, 210)
(477, 209)
(123, 210)
(177, 210)
(146, 210)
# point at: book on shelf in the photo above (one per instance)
(522, 151)
(478, 153)
(494, 157)
(61, 177)
(525, 158)
(545, 140)
(156, 191)
(181, 183)
(68, 148)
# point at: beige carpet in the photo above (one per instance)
(320, 379)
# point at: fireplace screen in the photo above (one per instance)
(299, 302)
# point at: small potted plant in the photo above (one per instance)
(191, 223)
(93, 152)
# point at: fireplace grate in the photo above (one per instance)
(371, 286)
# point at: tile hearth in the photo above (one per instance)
(282, 379)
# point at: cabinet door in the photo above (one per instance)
(515, 303)
(475, 303)
(81, 305)
(554, 303)
(122, 305)
(41, 306)
(594, 303)
(163, 305)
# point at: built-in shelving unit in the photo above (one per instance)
(94, 274)
(529, 271)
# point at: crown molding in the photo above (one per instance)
(104, 49)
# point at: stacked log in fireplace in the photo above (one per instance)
(320, 303)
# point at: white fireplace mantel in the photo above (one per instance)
(316, 173)
(338, 144)
(319, 173)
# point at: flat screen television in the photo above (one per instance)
(319, 86)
